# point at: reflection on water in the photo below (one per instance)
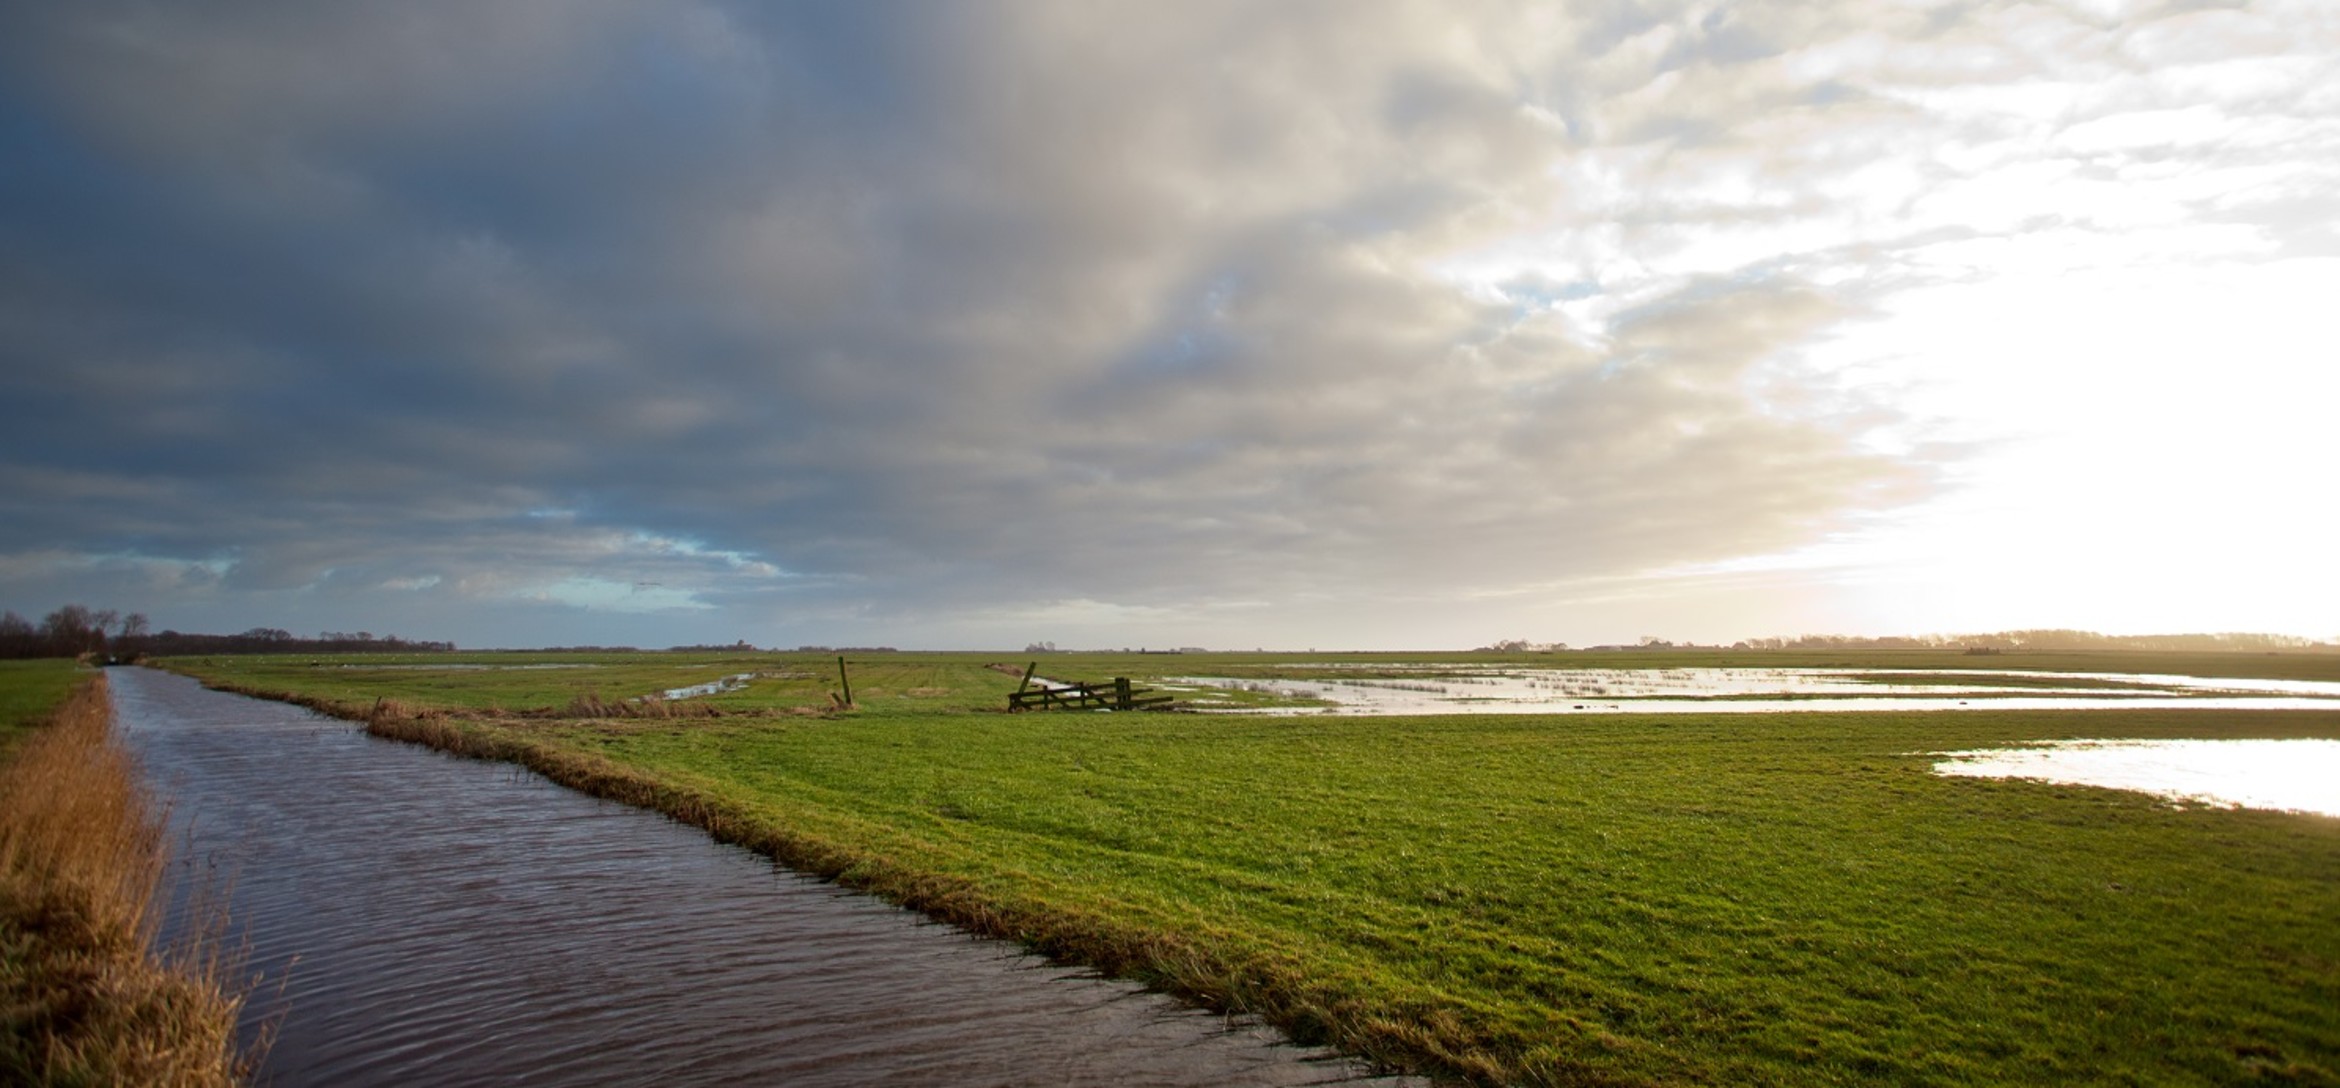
(733, 682)
(1465, 689)
(2298, 775)
(441, 921)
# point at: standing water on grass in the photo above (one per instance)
(2294, 775)
(1393, 689)
(423, 919)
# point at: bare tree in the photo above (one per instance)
(72, 629)
(18, 637)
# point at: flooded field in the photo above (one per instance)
(1451, 689)
(2292, 775)
(2301, 775)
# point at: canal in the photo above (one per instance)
(421, 919)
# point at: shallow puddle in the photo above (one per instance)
(730, 683)
(2293, 775)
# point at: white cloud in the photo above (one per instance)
(880, 317)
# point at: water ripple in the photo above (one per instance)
(429, 920)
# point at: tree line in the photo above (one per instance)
(78, 631)
(2048, 639)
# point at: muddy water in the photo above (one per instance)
(428, 920)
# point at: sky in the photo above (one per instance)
(1340, 324)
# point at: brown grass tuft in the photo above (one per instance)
(592, 706)
(82, 855)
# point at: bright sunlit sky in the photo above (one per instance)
(1368, 325)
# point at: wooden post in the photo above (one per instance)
(1028, 671)
(1121, 693)
(845, 680)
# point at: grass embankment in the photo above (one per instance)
(81, 855)
(29, 692)
(1788, 898)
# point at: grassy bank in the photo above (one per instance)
(81, 855)
(30, 691)
(1787, 898)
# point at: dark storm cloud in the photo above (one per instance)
(838, 310)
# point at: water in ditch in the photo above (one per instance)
(421, 919)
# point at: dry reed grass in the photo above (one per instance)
(591, 705)
(82, 855)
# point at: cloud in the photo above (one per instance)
(912, 315)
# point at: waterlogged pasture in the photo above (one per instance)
(1617, 898)
(1510, 689)
(1642, 682)
(2295, 775)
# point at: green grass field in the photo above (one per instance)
(1656, 899)
(29, 690)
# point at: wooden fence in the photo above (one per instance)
(1118, 695)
